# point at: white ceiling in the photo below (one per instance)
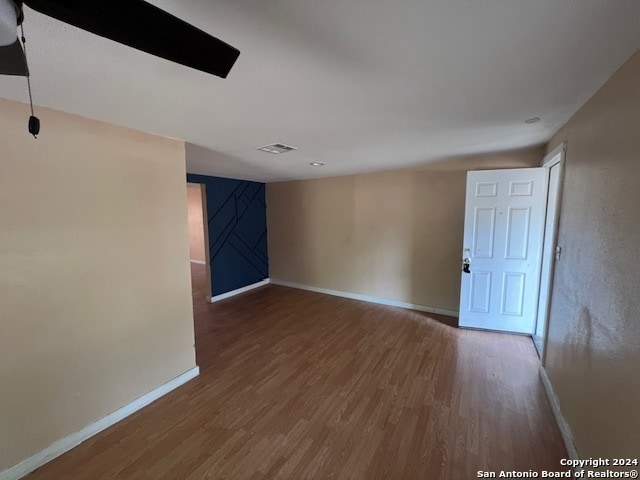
(361, 85)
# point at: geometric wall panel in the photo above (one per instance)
(237, 224)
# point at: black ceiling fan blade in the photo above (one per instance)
(13, 60)
(145, 27)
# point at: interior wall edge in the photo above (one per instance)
(65, 444)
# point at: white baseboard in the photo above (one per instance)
(238, 291)
(367, 298)
(565, 430)
(199, 262)
(67, 443)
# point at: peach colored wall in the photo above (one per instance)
(395, 235)
(95, 292)
(593, 350)
(196, 222)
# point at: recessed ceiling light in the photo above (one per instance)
(277, 148)
(317, 164)
(532, 120)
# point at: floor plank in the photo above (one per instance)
(298, 385)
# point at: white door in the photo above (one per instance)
(503, 234)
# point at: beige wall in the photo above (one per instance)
(196, 222)
(395, 235)
(593, 355)
(95, 295)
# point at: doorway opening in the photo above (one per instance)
(199, 257)
(509, 250)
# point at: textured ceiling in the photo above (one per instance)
(361, 85)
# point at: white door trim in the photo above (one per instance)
(553, 158)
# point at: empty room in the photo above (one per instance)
(319, 240)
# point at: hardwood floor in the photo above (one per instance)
(298, 385)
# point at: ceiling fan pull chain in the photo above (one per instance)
(34, 122)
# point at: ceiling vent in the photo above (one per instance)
(277, 148)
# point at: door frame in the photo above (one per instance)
(555, 157)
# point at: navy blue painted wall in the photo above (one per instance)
(237, 223)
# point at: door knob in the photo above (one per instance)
(466, 263)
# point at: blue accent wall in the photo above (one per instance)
(237, 223)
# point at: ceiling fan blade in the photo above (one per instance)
(12, 60)
(145, 27)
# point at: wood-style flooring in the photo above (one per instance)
(300, 385)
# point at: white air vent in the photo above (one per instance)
(277, 148)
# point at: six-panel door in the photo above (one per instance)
(503, 234)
